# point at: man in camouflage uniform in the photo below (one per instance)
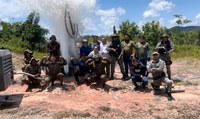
(28, 55)
(116, 55)
(54, 69)
(97, 66)
(165, 47)
(129, 51)
(156, 67)
(142, 51)
(54, 47)
(34, 69)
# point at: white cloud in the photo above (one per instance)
(157, 6)
(10, 8)
(109, 18)
(120, 11)
(151, 13)
(198, 16)
(161, 5)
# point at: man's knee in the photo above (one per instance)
(60, 76)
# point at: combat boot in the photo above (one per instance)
(111, 77)
(169, 77)
(123, 77)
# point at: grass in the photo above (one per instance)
(17, 47)
(181, 51)
(186, 51)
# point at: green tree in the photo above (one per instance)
(114, 30)
(153, 31)
(127, 27)
(180, 20)
(32, 32)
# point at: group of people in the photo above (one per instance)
(134, 60)
(97, 61)
(52, 65)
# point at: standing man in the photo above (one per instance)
(156, 67)
(85, 49)
(165, 47)
(105, 54)
(116, 54)
(129, 51)
(143, 52)
(54, 47)
(95, 42)
(138, 74)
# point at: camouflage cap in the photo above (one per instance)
(115, 35)
(155, 53)
(53, 37)
(33, 59)
(165, 35)
(28, 51)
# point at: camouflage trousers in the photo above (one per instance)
(59, 76)
(120, 63)
(167, 59)
(165, 80)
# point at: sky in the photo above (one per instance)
(107, 13)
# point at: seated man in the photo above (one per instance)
(156, 67)
(54, 69)
(80, 70)
(34, 69)
(28, 55)
(138, 74)
(97, 66)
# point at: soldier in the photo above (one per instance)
(116, 54)
(54, 47)
(129, 51)
(27, 58)
(165, 47)
(97, 65)
(143, 52)
(156, 67)
(34, 69)
(54, 69)
(138, 74)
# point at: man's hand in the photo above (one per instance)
(154, 69)
(113, 49)
(141, 76)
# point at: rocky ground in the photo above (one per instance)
(117, 101)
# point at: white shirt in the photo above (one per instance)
(103, 50)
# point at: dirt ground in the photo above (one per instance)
(117, 101)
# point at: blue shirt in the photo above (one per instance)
(85, 51)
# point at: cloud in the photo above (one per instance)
(10, 9)
(109, 18)
(198, 16)
(156, 6)
(151, 13)
(92, 17)
(161, 5)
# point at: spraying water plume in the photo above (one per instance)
(65, 18)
